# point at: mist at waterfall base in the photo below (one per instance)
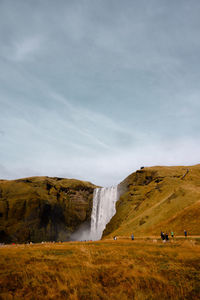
(104, 201)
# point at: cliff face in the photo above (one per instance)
(43, 208)
(51, 209)
(158, 198)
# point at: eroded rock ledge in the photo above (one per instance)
(43, 208)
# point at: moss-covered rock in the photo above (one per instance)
(43, 208)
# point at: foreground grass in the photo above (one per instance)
(122, 269)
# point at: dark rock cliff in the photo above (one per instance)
(43, 208)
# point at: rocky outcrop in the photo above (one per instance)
(43, 208)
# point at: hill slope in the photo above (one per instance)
(43, 208)
(158, 198)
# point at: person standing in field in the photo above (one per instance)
(172, 234)
(162, 236)
(132, 237)
(185, 233)
(166, 237)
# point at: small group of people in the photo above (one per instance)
(165, 236)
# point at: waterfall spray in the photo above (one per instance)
(104, 200)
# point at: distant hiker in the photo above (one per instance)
(162, 236)
(166, 237)
(172, 234)
(185, 233)
(132, 237)
(115, 238)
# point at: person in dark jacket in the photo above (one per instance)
(132, 237)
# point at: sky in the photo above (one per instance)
(95, 89)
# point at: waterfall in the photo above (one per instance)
(104, 200)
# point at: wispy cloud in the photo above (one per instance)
(90, 124)
(22, 50)
(89, 94)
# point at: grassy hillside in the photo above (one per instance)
(158, 198)
(43, 208)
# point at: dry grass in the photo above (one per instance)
(122, 269)
(158, 198)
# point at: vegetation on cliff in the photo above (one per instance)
(51, 209)
(43, 208)
(158, 198)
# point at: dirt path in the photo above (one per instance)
(158, 237)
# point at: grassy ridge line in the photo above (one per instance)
(158, 198)
(105, 269)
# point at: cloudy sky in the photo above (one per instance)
(94, 89)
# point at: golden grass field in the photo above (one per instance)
(107, 269)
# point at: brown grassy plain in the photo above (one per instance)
(122, 269)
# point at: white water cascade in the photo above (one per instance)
(104, 200)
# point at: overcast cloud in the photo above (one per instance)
(94, 89)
